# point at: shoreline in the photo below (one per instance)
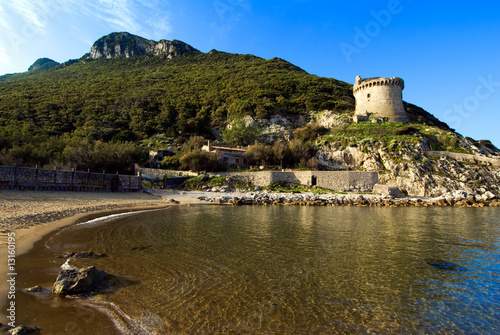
(31, 215)
(457, 199)
(19, 205)
(61, 209)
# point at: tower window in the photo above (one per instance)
(368, 96)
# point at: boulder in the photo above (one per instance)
(22, 330)
(392, 191)
(79, 281)
(33, 289)
(488, 196)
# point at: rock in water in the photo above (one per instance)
(79, 281)
(22, 330)
(33, 289)
(84, 254)
(444, 265)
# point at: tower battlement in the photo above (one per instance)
(379, 96)
(362, 84)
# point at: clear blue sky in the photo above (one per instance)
(448, 52)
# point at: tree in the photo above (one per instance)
(239, 133)
(198, 160)
(259, 153)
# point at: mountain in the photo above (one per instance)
(130, 94)
(43, 64)
(165, 87)
(124, 44)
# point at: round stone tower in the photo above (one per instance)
(382, 97)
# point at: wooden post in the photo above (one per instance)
(36, 187)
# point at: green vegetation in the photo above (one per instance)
(420, 116)
(240, 133)
(134, 98)
(441, 140)
(366, 130)
(128, 100)
(43, 64)
(106, 114)
(203, 181)
(298, 153)
(190, 157)
(391, 136)
(296, 188)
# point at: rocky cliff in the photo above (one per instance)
(124, 44)
(416, 169)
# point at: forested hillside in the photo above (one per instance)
(99, 113)
(128, 99)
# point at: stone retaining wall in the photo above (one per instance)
(334, 180)
(464, 157)
(21, 178)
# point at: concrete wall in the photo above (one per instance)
(20, 178)
(334, 180)
(347, 180)
(160, 173)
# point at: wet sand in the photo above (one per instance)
(31, 215)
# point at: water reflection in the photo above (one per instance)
(300, 269)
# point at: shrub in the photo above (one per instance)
(240, 133)
(198, 160)
(310, 132)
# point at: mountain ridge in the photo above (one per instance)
(124, 44)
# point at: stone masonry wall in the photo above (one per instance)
(20, 178)
(334, 180)
(346, 180)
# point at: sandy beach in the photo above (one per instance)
(32, 214)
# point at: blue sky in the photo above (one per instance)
(447, 52)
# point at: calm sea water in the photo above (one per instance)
(278, 270)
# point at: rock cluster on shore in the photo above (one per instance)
(457, 199)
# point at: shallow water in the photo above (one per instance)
(277, 270)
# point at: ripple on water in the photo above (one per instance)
(297, 269)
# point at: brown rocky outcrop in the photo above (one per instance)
(79, 281)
